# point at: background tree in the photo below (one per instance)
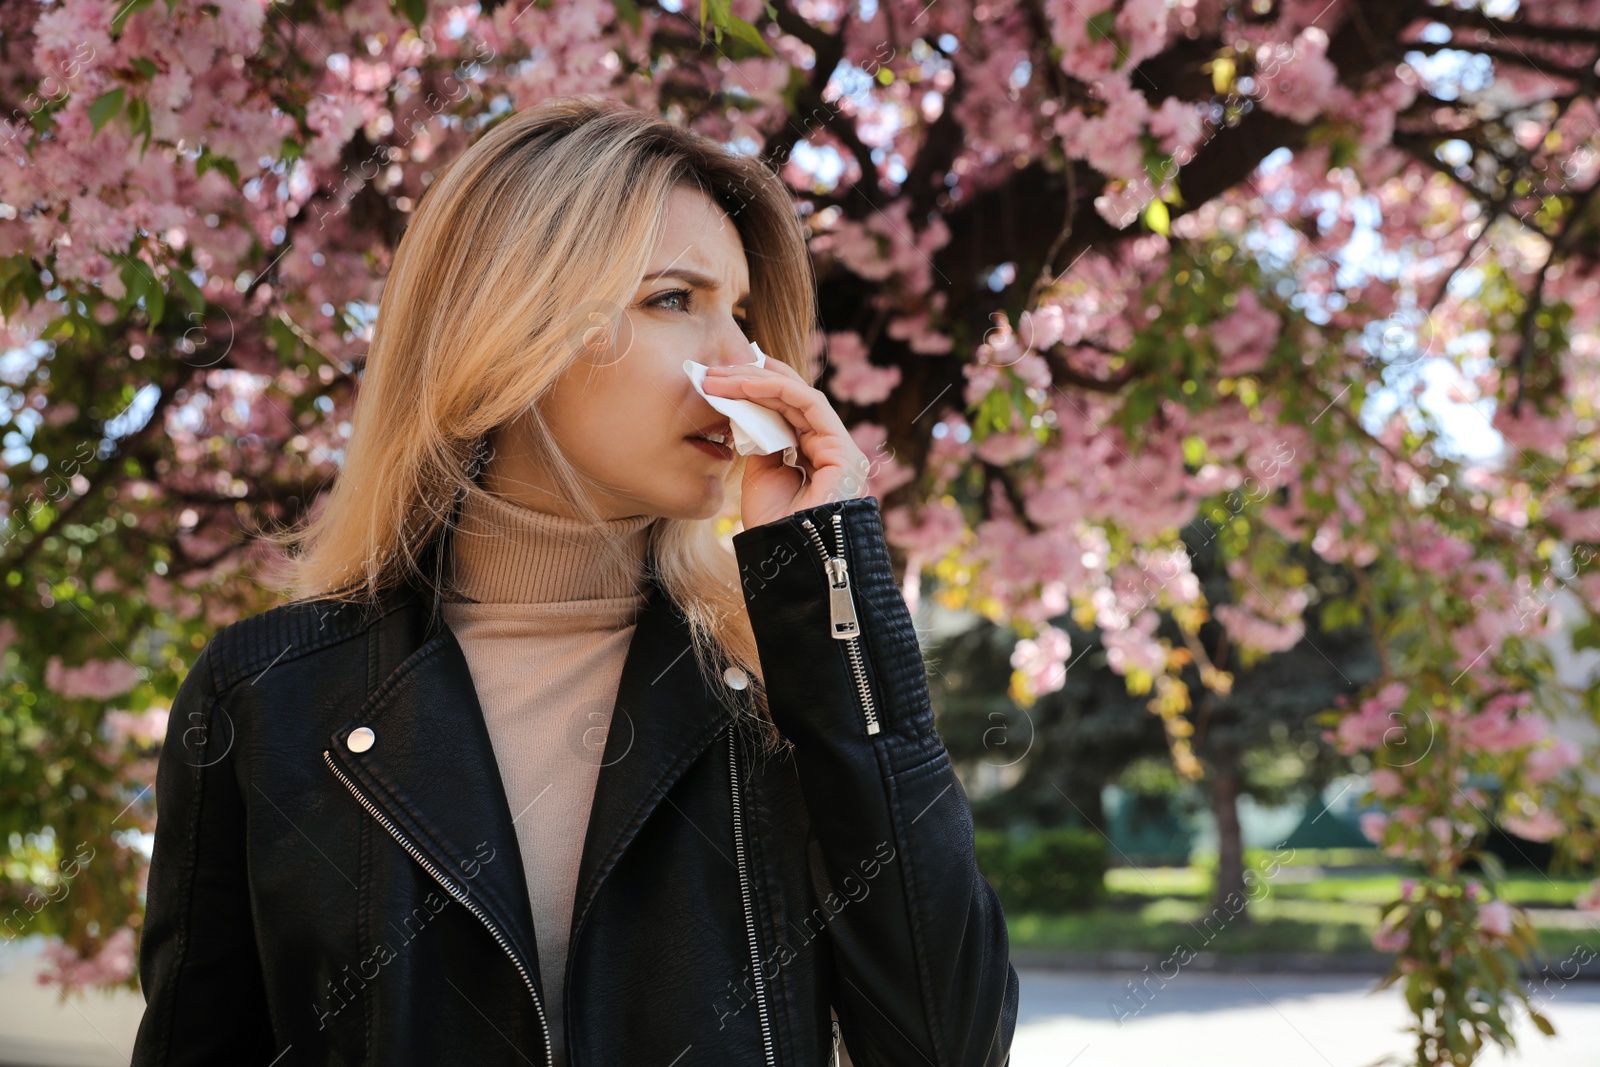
(1259, 736)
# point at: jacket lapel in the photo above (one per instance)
(431, 769)
(431, 774)
(664, 718)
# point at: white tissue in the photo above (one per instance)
(756, 430)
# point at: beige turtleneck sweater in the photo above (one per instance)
(544, 610)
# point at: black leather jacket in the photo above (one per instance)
(317, 900)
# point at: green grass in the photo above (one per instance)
(1165, 909)
(1165, 926)
(1363, 887)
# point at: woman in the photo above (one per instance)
(469, 797)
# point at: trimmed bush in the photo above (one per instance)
(1054, 870)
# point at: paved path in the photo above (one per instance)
(1263, 1020)
(1196, 1019)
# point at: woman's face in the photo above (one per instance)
(624, 413)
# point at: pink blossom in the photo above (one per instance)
(1170, 569)
(1123, 200)
(1540, 825)
(98, 679)
(1337, 545)
(919, 335)
(1007, 447)
(1390, 938)
(1253, 631)
(1178, 125)
(1546, 762)
(114, 962)
(1532, 432)
(1245, 336)
(1494, 731)
(887, 244)
(1135, 647)
(1495, 918)
(1369, 726)
(855, 379)
(1043, 659)
(1298, 81)
(1109, 140)
(938, 527)
(1086, 52)
(885, 473)
(1386, 783)
(71, 32)
(1441, 555)
(1142, 24)
(144, 728)
(1373, 825)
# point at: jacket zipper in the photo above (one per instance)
(450, 887)
(835, 1061)
(744, 895)
(842, 611)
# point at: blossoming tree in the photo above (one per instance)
(1092, 271)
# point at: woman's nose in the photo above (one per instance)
(731, 347)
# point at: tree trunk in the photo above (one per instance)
(1230, 846)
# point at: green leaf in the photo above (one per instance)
(414, 10)
(1340, 613)
(740, 30)
(994, 414)
(207, 161)
(1222, 72)
(627, 11)
(127, 10)
(104, 107)
(719, 12)
(1104, 24)
(1586, 636)
(155, 301)
(283, 338)
(1157, 218)
(192, 294)
(133, 280)
(139, 118)
(1141, 404)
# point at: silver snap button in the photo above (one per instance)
(735, 678)
(360, 739)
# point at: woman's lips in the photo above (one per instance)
(711, 448)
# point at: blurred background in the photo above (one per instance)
(1229, 370)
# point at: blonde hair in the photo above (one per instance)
(541, 229)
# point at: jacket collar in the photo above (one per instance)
(432, 773)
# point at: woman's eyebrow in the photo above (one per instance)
(694, 278)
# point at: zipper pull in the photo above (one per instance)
(835, 1061)
(840, 605)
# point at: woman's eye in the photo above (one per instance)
(672, 294)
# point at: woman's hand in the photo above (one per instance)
(836, 469)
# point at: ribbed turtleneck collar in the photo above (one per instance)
(504, 553)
